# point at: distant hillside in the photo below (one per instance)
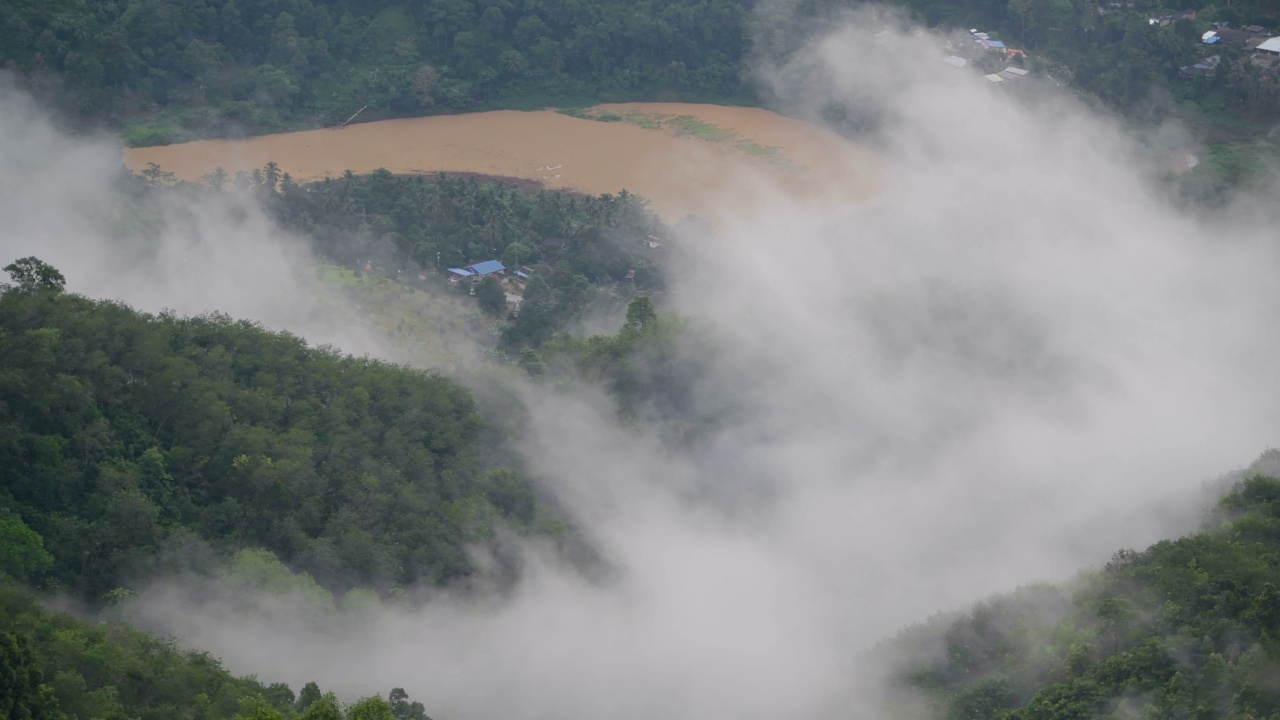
(57, 667)
(169, 71)
(1188, 628)
(133, 443)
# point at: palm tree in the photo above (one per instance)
(272, 174)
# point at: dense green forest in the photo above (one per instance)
(136, 443)
(168, 71)
(171, 71)
(1186, 630)
(56, 667)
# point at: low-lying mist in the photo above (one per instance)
(1016, 359)
(71, 202)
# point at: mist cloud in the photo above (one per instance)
(70, 201)
(1014, 360)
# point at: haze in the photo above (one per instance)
(997, 372)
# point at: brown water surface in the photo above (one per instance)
(686, 158)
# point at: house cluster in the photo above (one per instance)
(985, 41)
(1251, 36)
(513, 281)
(1264, 49)
(1168, 19)
(478, 271)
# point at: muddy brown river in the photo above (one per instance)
(686, 158)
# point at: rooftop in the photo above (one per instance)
(488, 267)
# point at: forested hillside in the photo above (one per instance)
(174, 70)
(170, 71)
(1187, 629)
(56, 667)
(580, 249)
(133, 443)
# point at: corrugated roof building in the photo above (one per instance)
(1271, 46)
(488, 267)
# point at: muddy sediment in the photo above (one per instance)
(685, 158)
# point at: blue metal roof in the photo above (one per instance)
(487, 267)
(994, 44)
(521, 274)
(460, 271)
(1211, 40)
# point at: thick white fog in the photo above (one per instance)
(61, 200)
(1013, 361)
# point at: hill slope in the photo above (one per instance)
(1189, 628)
(132, 441)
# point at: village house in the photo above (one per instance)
(477, 271)
(1269, 47)
(1206, 66)
(1227, 35)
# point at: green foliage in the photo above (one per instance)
(24, 554)
(410, 225)
(490, 295)
(56, 667)
(374, 708)
(403, 709)
(131, 440)
(22, 694)
(325, 707)
(308, 697)
(164, 71)
(106, 670)
(1185, 629)
(640, 314)
(31, 275)
(651, 367)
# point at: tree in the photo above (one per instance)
(22, 696)
(532, 362)
(371, 708)
(492, 298)
(156, 177)
(325, 708)
(24, 554)
(640, 313)
(403, 709)
(309, 695)
(271, 173)
(216, 179)
(32, 276)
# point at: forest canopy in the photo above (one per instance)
(134, 440)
